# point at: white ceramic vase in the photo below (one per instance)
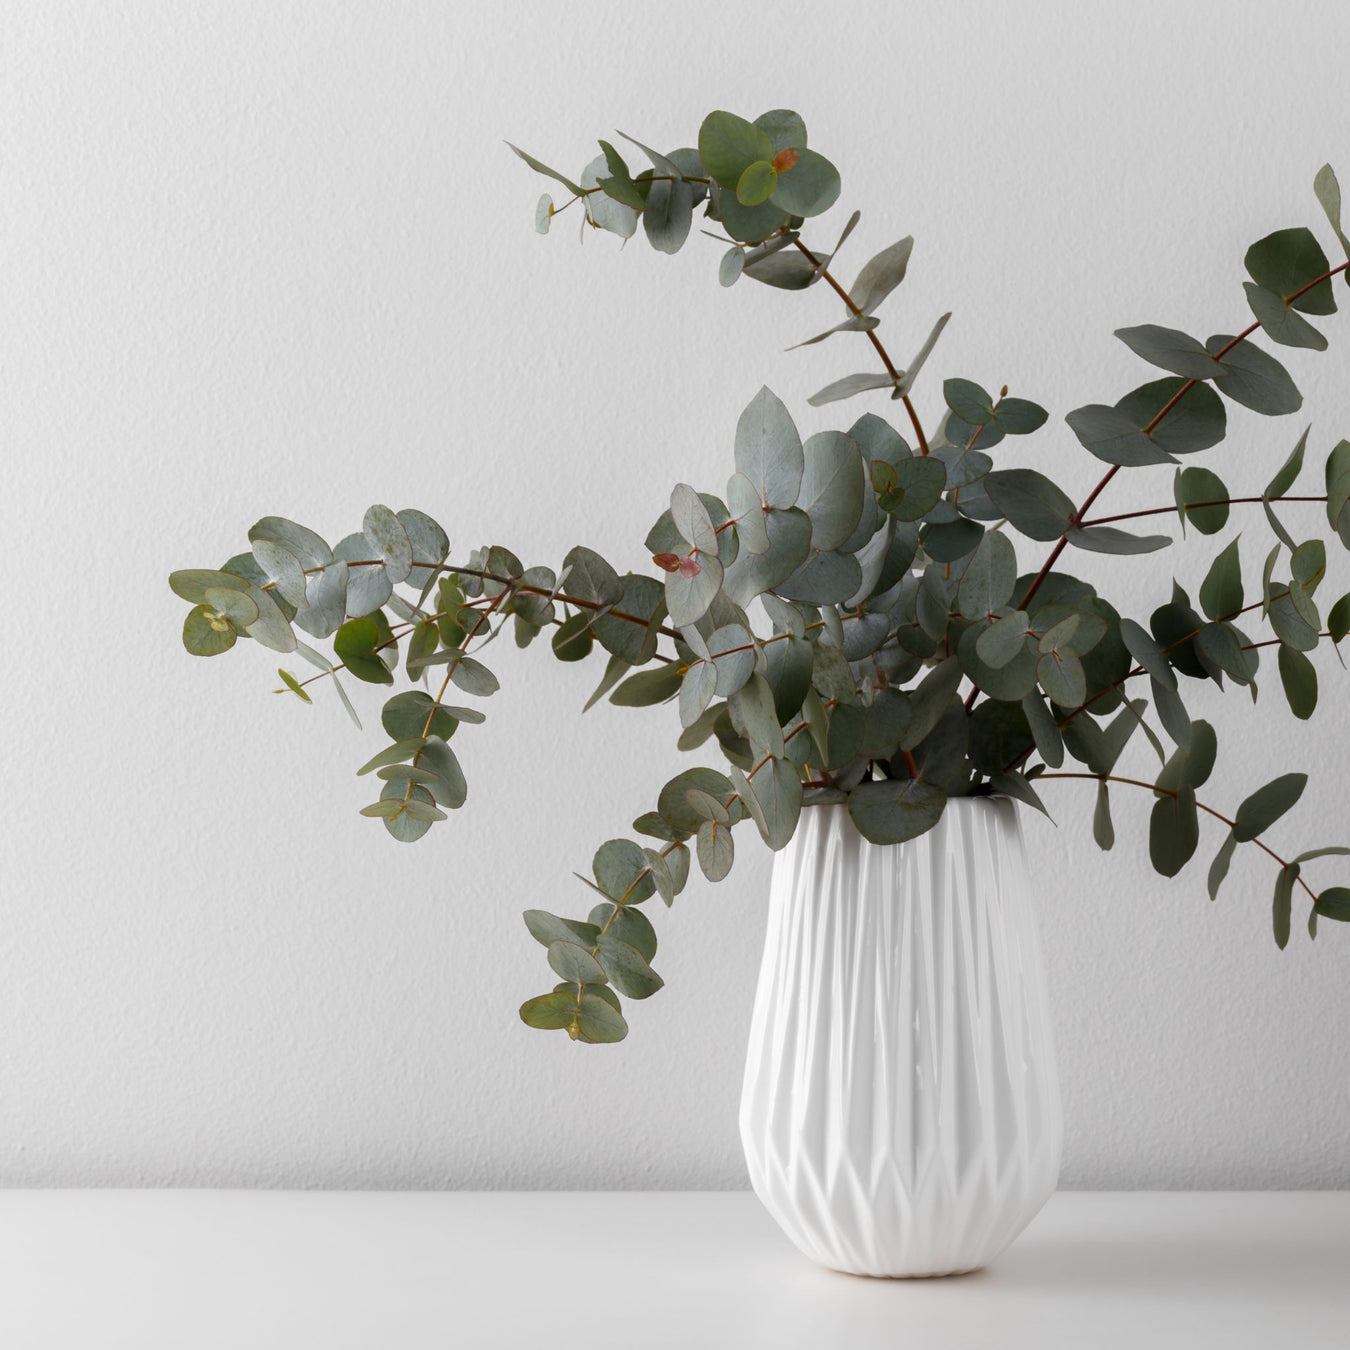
(900, 1112)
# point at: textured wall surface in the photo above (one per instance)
(261, 257)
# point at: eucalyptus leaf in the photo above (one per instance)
(1103, 831)
(848, 387)
(1174, 832)
(1265, 806)
(1282, 903)
(1221, 593)
(473, 677)
(892, 811)
(1292, 265)
(1218, 869)
(1108, 539)
(831, 487)
(621, 871)
(1328, 192)
(1202, 499)
(1280, 322)
(389, 542)
(538, 167)
(1254, 378)
(327, 596)
(1172, 350)
(1031, 502)
(881, 275)
(574, 963)
(626, 967)
(207, 634)
(1298, 675)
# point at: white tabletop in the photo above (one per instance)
(252, 1270)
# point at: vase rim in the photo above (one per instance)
(951, 801)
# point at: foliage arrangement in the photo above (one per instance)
(903, 656)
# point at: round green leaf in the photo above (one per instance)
(1254, 378)
(728, 145)
(809, 187)
(673, 806)
(549, 1012)
(283, 569)
(598, 1021)
(627, 924)
(548, 928)
(1202, 499)
(406, 828)
(1288, 261)
(626, 967)
(574, 963)
(784, 128)
(715, 849)
(756, 183)
(449, 788)
(191, 584)
(573, 639)
(205, 633)
(473, 677)
(733, 653)
(892, 811)
(621, 871)
(1031, 502)
(237, 606)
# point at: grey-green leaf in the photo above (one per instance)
(1031, 502)
(881, 275)
(1174, 832)
(1254, 378)
(892, 811)
(1266, 805)
(473, 677)
(1283, 903)
(573, 962)
(1103, 831)
(1218, 869)
(628, 970)
(831, 487)
(389, 542)
(1170, 349)
(769, 450)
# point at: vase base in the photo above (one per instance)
(906, 1274)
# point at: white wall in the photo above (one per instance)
(263, 258)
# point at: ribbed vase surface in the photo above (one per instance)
(900, 1112)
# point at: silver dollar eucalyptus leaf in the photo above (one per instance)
(284, 569)
(327, 602)
(389, 542)
(368, 587)
(769, 450)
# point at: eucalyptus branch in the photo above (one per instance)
(890, 576)
(873, 339)
(1197, 506)
(1174, 794)
(1079, 515)
(1116, 685)
(524, 589)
